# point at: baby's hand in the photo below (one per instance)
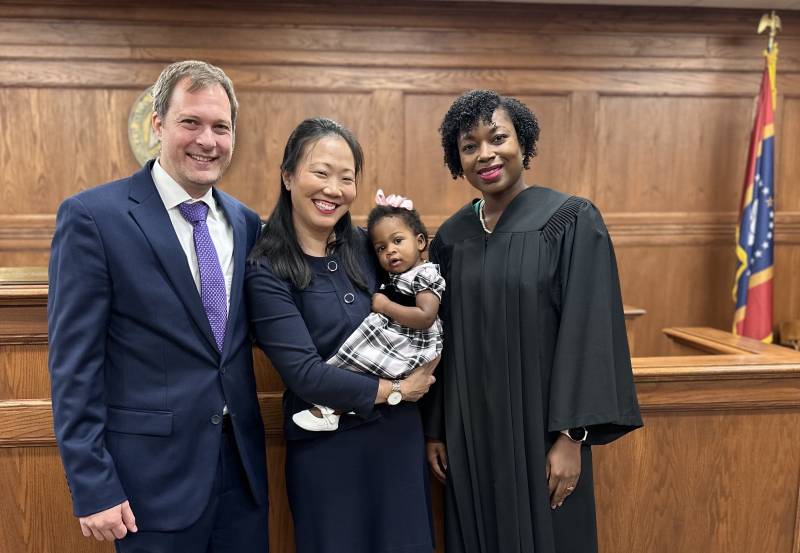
(379, 302)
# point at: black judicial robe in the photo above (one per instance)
(534, 343)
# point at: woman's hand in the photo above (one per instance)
(413, 387)
(419, 381)
(563, 469)
(437, 458)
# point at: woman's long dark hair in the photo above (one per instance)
(278, 241)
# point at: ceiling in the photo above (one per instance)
(765, 5)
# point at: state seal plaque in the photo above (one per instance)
(144, 143)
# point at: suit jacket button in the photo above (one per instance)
(216, 419)
(223, 370)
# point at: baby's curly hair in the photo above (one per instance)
(409, 216)
(476, 106)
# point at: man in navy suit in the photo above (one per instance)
(154, 399)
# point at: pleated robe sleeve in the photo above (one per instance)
(591, 381)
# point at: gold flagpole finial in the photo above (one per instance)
(771, 22)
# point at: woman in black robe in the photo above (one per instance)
(536, 366)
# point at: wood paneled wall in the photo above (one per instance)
(645, 111)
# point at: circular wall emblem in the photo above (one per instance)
(143, 141)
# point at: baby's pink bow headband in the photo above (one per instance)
(393, 200)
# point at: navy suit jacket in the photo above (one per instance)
(138, 384)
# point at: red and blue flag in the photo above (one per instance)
(752, 290)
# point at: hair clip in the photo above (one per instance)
(393, 200)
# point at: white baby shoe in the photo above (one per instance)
(307, 421)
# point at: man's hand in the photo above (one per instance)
(111, 524)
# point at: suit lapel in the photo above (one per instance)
(236, 219)
(149, 212)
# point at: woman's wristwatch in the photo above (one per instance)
(395, 396)
(578, 434)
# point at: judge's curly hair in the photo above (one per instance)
(477, 106)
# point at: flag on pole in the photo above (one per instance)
(752, 290)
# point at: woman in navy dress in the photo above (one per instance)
(362, 488)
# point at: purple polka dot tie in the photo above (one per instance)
(212, 281)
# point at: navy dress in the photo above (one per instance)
(364, 487)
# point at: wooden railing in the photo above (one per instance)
(717, 465)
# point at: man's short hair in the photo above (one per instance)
(200, 75)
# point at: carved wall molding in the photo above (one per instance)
(35, 232)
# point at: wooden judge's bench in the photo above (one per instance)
(715, 470)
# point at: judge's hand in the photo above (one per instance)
(563, 469)
(437, 458)
(111, 524)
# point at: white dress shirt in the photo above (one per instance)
(172, 194)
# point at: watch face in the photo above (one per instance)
(577, 434)
(394, 398)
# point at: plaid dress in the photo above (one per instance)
(384, 348)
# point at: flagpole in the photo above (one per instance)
(753, 284)
(773, 23)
